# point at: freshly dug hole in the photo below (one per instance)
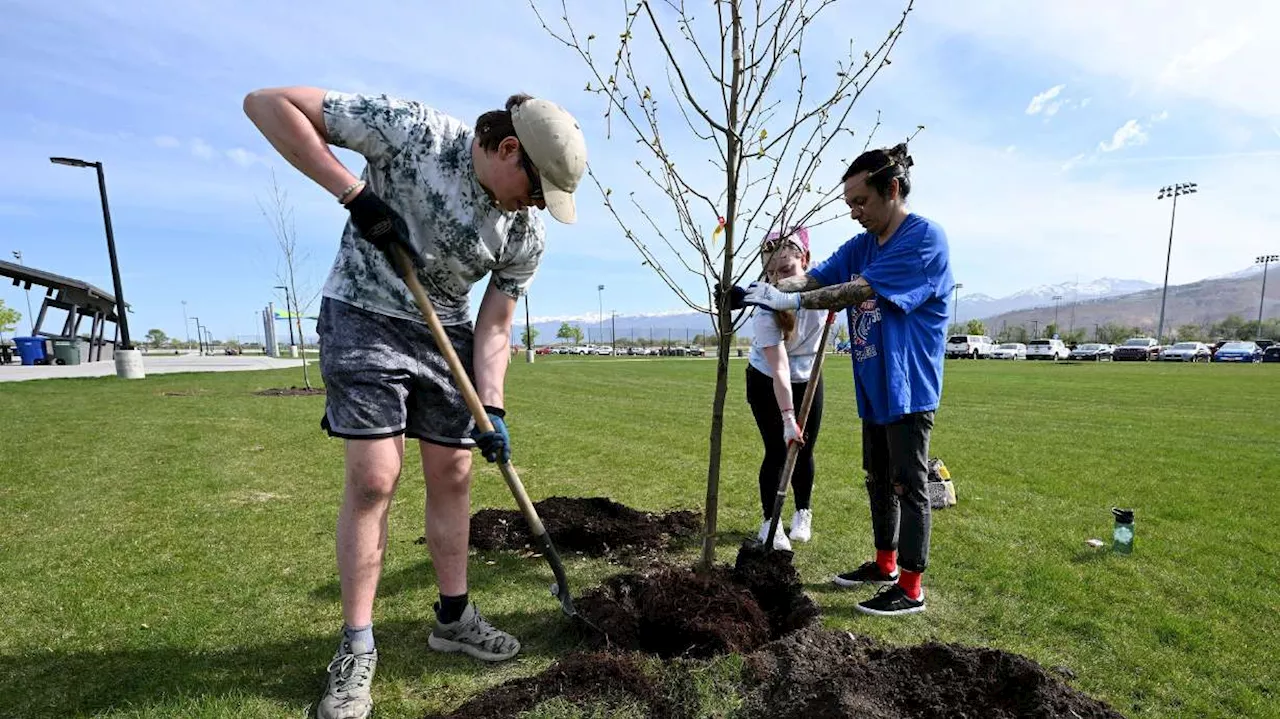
(675, 612)
(594, 526)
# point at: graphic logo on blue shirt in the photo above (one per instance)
(866, 315)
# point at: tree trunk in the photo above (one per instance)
(725, 318)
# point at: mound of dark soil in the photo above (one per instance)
(290, 392)
(674, 612)
(822, 674)
(600, 678)
(594, 526)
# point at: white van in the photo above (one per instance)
(970, 346)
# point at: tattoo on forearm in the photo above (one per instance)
(837, 297)
(803, 283)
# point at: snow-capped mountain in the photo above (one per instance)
(978, 305)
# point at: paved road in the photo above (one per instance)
(154, 364)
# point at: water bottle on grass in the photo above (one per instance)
(1122, 535)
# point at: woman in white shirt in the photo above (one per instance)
(783, 351)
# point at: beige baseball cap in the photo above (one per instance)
(555, 144)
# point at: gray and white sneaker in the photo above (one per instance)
(473, 634)
(802, 525)
(350, 677)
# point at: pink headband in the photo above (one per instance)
(798, 235)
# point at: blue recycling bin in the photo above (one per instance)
(30, 349)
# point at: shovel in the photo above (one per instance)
(793, 451)
(560, 590)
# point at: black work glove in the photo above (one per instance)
(381, 226)
(734, 293)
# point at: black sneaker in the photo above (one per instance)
(891, 602)
(868, 573)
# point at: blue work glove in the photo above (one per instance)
(737, 297)
(763, 294)
(495, 445)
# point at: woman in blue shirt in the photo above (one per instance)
(895, 280)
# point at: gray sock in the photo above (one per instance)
(359, 639)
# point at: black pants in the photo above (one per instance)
(896, 458)
(764, 405)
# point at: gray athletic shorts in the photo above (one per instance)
(384, 377)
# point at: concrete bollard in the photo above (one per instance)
(129, 364)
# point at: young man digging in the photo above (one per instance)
(895, 278)
(459, 202)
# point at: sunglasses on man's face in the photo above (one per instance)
(535, 182)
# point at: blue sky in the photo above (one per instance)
(1049, 129)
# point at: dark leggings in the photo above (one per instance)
(764, 405)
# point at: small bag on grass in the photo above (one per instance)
(942, 493)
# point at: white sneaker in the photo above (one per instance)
(780, 541)
(802, 525)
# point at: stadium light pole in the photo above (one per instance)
(1266, 260)
(1170, 191)
(955, 304)
(600, 297)
(127, 344)
(1056, 300)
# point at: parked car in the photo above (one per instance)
(1264, 344)
(1047, 350)
(1239, 352)
(1271, 354)
(542, 351)
(1092, 352)
(603, 350)
(970, 346)
(697, 351)
(1139, 349)
(1186, 352)
(1010, 351)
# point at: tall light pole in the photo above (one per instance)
(1265, 260)
(111, 243)
(31, 318)
(600, 296)
(528, 332)
(199, 339)
(287, 311)
(955, 303)
(1056, 300)
(186, 324)
(1174, 191)
(613, 332)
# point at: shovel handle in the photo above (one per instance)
(793, 451)
(463, 381)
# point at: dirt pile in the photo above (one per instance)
(593, 526)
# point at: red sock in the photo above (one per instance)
(887, 559)
(910, 583)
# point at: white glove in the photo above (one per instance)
(763, 294)
(790, 430)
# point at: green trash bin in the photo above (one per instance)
(66, 352)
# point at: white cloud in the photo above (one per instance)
(243, 157)
(1164, 115)
(1011, 149)
(1073, 163)
(1209, 53)
(1130, 133)
(1097, 37)
(1085, 102)
(201, 149)
(167, 141)
(1039, 102)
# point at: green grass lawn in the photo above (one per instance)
(166, 556)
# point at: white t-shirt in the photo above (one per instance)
(803, 348)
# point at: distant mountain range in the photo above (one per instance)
(1129, 302)
(977, 306)
(1199, 303)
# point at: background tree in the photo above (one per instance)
(569, 332)
(529, 335)
(292, 263)
(9, 318)
(975, 327)
(764, 120)
(156, 337)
